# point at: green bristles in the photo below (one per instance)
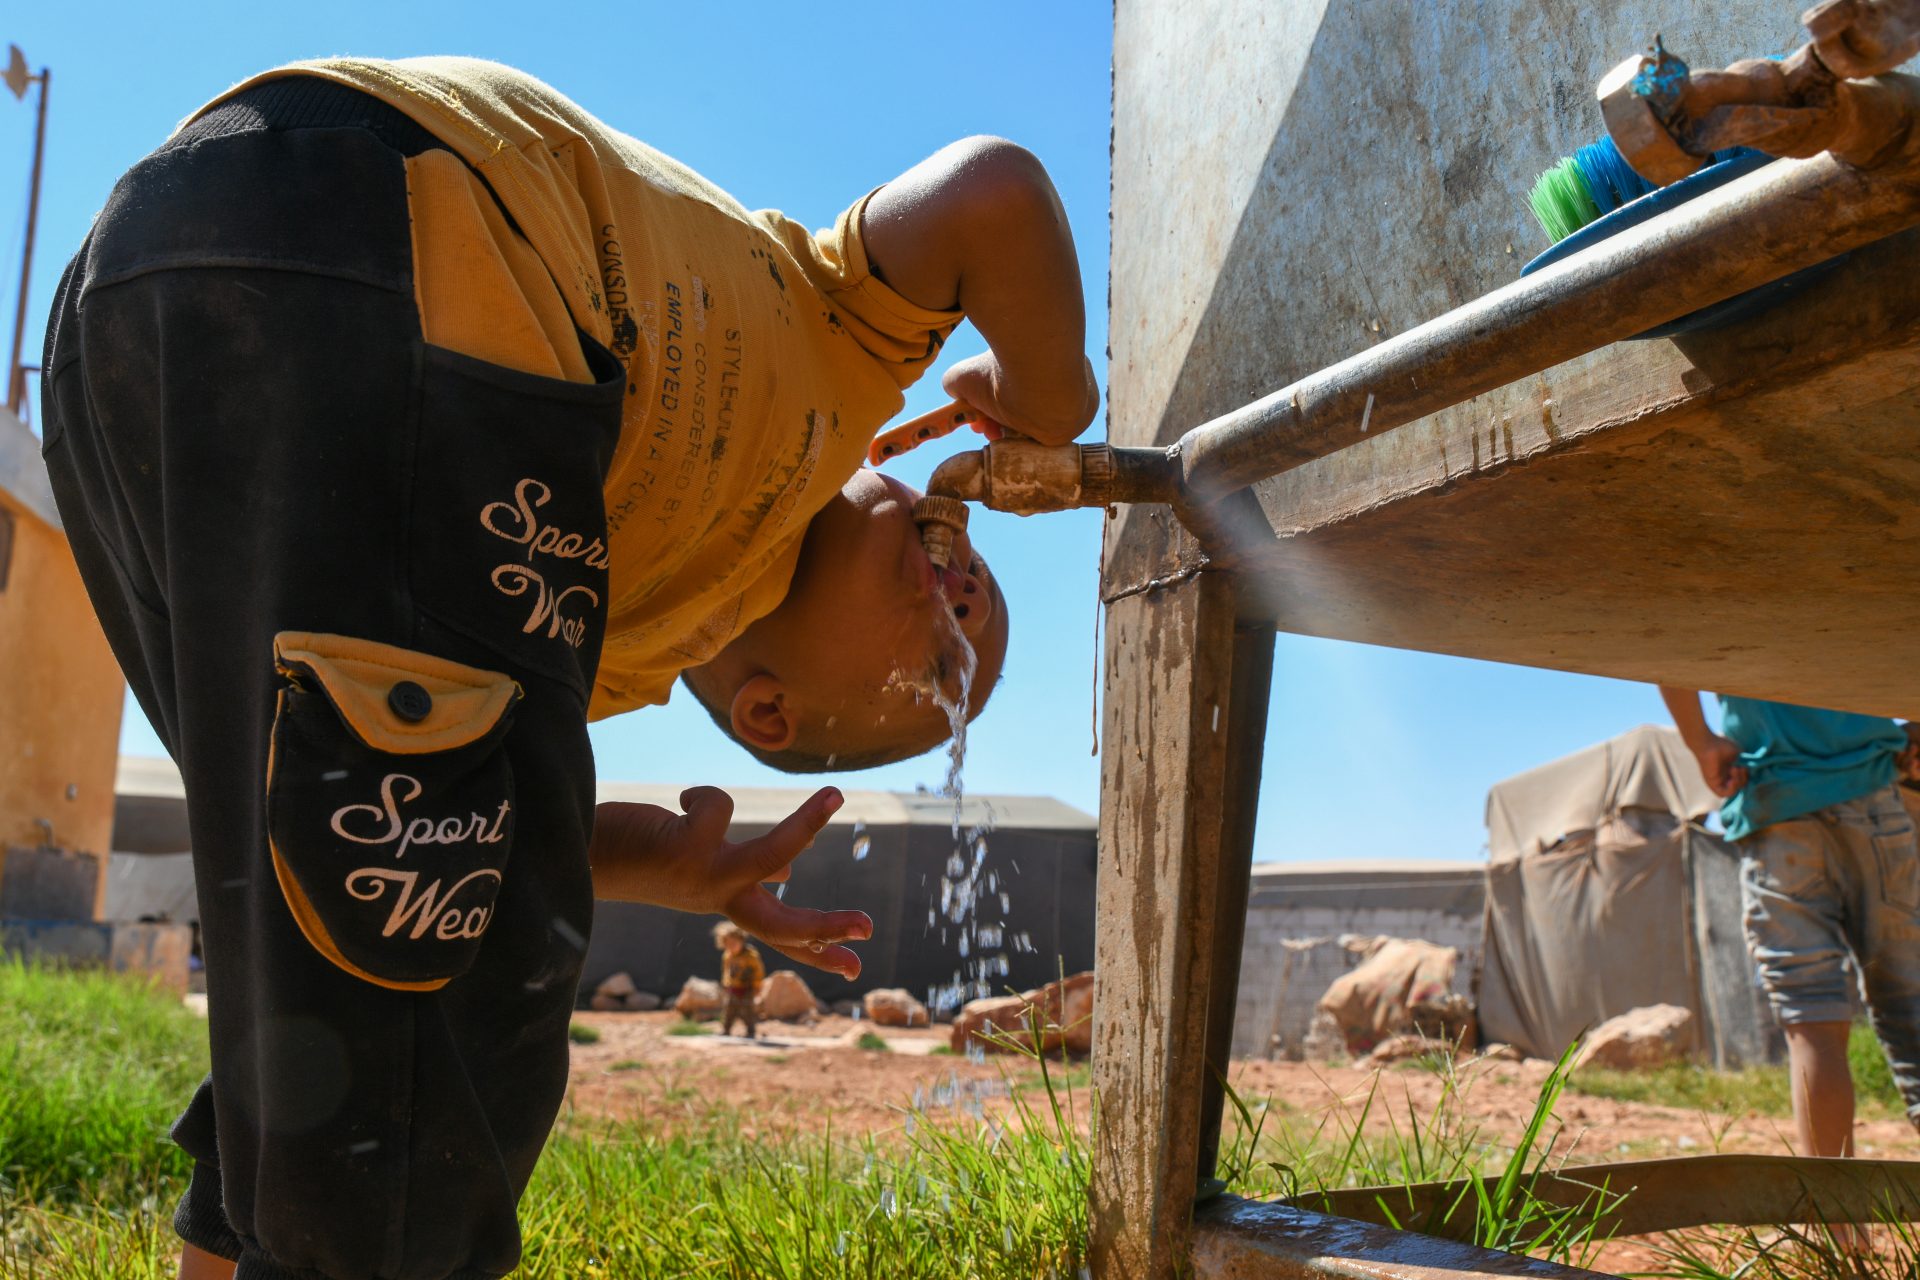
(1562, 201)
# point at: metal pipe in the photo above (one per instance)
(16, 381)
(1025, 477)
(1787, 216)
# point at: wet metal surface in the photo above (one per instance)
(1238, 1239)
(1668, 1195)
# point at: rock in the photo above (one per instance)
(1639, 1040)
(700, 1000)
(1069, 1004)
(617, 986)
(986, 1023)
(1449, 1018)
(607, 1004)
(846, 1008)
(1062, 1010)
(1402, 1048)
(894, 1007)
(785, 997)
(643, 1002)
(1372, 1001)
(1503, 1053)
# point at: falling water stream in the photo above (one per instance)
(968, 884)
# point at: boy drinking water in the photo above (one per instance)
(404, 418)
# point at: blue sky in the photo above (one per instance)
(1372, 752)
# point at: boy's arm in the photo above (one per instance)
(1719, 757)
(978, 226)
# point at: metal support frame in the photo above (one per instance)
(1185, 722)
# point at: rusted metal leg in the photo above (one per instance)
(1165, 819)
(1246, 744)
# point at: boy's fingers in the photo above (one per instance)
(836, 960)
(709, 810)
(773, 851)
(796, 931)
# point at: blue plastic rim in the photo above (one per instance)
(1722, 171)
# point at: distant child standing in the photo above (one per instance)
(740, 976)
(1830, 870)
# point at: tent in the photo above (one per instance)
(1604, 893)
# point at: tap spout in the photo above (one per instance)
(1026, 477)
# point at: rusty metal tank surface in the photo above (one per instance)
(1734, 508)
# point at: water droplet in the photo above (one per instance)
(862, 846)
(840, 1246)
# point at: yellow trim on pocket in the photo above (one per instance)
(302, 907)
(358, 675)
(316, 933)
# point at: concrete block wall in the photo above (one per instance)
(1298, 916)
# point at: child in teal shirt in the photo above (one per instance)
(1829, 869)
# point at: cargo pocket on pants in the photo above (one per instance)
(1899, 864)
(509, 525)
(390, 805)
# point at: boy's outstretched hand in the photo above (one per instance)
(644, 853)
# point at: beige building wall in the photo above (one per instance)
(61, 691)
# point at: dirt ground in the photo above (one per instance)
(814, 1078)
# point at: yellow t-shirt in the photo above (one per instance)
(761, 358)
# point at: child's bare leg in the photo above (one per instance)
(1822, 1087)
(198, 1264)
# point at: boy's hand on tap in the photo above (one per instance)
(644, 853)
(1053, 412)
(978, 226)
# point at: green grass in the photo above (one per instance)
(1762, 1090)
(628, 1064)
(93, 1070)
(581, 1033)
(687, 1027)
(1000, 1200)
(872, 1042)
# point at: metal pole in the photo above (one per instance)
(1781, 218)
(16, 380)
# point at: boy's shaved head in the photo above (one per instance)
(840, 676)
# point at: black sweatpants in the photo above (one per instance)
(252, 448)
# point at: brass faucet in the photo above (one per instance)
(1831, 94)
(1026, 477)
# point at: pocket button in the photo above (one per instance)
(410, 702)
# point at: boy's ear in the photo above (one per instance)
(760, 715)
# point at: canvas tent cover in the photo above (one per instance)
(1645, 768)
(1604, 894)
